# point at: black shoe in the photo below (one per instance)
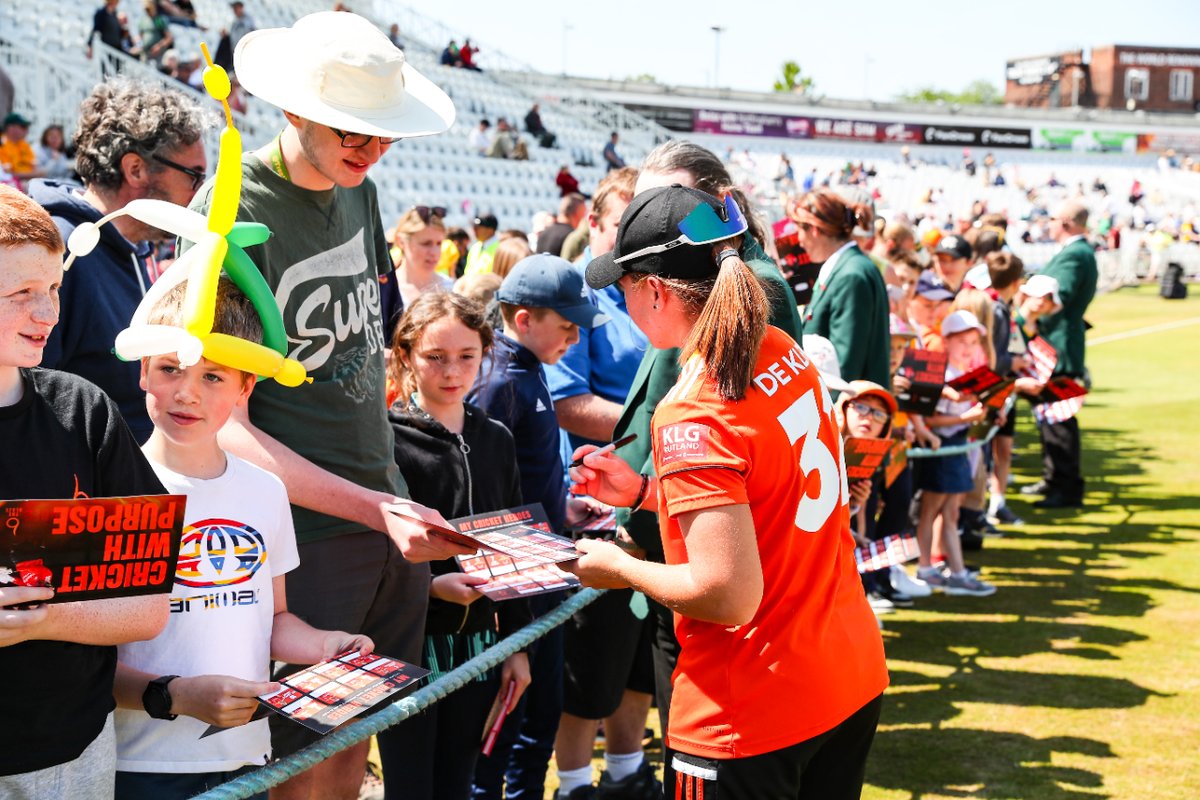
(1055, 500)
(1041, 487)
(970, 540)
(899, 599)
(578, 793)
(641, 785)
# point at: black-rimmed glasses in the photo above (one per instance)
(196, 175)
(361, 139)
(864, 410)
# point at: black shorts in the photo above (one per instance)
(826, 767)
(359, 583)
(1009, 428)
(606, 651)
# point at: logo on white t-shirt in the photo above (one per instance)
(219, 552)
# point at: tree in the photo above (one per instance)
(792, 80)
(976, 93)
(645, 77)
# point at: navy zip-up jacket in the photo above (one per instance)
(512, 388)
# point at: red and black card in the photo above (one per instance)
(92, 548)
(865, 456)
(926, 372)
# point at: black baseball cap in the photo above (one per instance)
(955, 246)
(487, 221)
(655, 228)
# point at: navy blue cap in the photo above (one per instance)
(928, 286)
(546, 281)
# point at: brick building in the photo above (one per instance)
(1115, 77)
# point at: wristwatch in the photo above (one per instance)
(157, 698)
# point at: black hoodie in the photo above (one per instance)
(460, 475)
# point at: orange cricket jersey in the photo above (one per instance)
(812, 655)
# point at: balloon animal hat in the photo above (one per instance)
(219, 242)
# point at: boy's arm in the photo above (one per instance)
(312, 487)
(221, 700)
(296, 642)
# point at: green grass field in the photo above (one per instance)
(1080, 678)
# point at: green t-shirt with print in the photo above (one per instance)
(323, 263)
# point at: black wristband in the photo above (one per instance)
(642, 494)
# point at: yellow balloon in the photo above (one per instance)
(199, 304)
(252, 357)
(216, 81)
(227, 188)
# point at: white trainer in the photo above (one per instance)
(907, 584)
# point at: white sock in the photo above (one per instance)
(572, 779)
(622, 766)
(996, 503)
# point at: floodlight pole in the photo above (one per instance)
(717, 31)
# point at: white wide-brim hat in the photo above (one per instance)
(337, 69)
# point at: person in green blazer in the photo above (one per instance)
(690, 165)
(849, 306)
(1074, 267)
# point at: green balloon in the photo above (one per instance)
(247, 277)
(248, 234)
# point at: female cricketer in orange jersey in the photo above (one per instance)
(781, 671)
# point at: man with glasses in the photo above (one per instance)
(134, 142)
(347, 94)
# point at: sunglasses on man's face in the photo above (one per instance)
(196, 175)
(361, 139)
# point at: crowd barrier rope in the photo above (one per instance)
(959, 449)
(279, 771)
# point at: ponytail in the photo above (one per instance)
(731, 324)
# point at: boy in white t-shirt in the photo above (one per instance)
(229, 614)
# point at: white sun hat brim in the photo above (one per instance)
(337, 69)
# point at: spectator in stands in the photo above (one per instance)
(418, 235)
(533, 124)
(330, 442)
(242, 23)
(849, 305)
(108, 26)
(611, 159)
(608, 672)
(16, 154)
(566, 182)
(785, 175)
(394, 36)
(576, 241)
(52, 158)
(179, 12)
(481, 253)
(1074, 267)
(466, 56)
(572, 209)
(64, 439)
(450, 56)
(689, 164)
(132, 142)
(503, 140)
(520, 151)
(480, 140)
(897, 237)
(154, 33)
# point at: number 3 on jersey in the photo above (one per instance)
(802, 420)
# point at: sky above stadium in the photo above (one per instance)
(857, 49)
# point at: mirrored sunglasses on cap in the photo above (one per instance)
(703, 225)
